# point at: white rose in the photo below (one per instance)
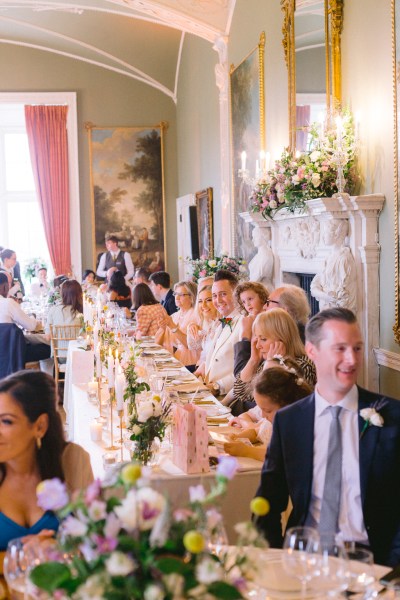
(212, 263)
(366, 413)
(208, 571)
(316, 179)
(145, 411)
(97, 510)
(315, 155)
(119, 563)
(74, 527)
(376, 419)
(295, 179)
(273, 204)
(127, 511)
(92, 589)
(153, 592)
(136, 429)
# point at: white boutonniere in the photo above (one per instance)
(372, 416)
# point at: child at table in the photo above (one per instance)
(273, 389)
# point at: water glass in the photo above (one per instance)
(361, 571)
(16, 567)
(331, 569)
(299, 557)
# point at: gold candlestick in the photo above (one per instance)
(121, 414)
(112, 397)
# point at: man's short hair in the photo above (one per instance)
(143, 273)
(314, 326)
(112, 238)
(161, 278)
(225, 275)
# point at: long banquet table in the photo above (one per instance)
(166, 476)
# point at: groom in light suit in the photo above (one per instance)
(219, 362)
(297, 460)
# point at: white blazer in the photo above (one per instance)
(220, 357)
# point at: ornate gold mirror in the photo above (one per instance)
(311, 40)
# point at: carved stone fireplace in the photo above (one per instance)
(298, 248)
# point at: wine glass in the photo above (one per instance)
(331, 572)
(299, 554)
(15, 568)
(361, 571)
(217, 539)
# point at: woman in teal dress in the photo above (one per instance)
(33, 448)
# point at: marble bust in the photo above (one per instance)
(336, 284)
(261, 266)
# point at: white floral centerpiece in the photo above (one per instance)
(205, 267)
(32, 267)
(123, 542)
(297, 177)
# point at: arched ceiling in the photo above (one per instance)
(141, 39)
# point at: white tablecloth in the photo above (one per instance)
(166, 477)
(79, 369)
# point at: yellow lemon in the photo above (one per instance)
(194, 542)
(131, 473)
(259, 506)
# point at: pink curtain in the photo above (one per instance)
(46, 127)
(302, 120)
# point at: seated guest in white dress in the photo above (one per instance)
(11, 312)
(69, 312)
(201, 334)
(33, 449)
(88, 285)
(273, 389)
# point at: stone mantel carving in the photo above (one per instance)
(298, 247)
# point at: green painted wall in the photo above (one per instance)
(367, 73)
(105, 99)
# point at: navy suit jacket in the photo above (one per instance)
(288, 471)
(169, 303)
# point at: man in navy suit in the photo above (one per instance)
(297, 458)
(160, 285)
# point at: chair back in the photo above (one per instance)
(61, 335)
(12, 349)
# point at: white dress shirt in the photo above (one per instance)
(11, 312)
(101, 271)
(351, 521)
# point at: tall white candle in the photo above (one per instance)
(120, 384)
(339, 130)
(96, 334)
(110, 372)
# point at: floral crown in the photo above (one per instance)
(281, 360)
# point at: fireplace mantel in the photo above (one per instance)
(298, 247)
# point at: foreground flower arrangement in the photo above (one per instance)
(122, 541)
(205, 267)
(297, 177)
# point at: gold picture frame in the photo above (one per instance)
(127, 190)
(204, 209)
(247, 101)
(395, 8)
(333, 19)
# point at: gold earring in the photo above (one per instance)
(39, 442)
